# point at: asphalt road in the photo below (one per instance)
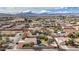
(70, 49)
(32, 50)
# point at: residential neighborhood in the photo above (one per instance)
(39, 33)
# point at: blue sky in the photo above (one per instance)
(14, 10)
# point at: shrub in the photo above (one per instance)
(77, 34)
(71, 41)
(44, 38)
(71, 35)
(29, 44)
(26, 45)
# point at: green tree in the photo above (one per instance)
(77, 34)
(71, 35)
(71, 41)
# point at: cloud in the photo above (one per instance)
(26, 11)
(61, 12)
(14, 10)
(44, 11)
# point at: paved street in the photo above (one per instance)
(68, 49)
(32, 50)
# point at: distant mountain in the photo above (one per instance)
(26, 14)
(45, 14)
(5, 15)
(36, 14)
(33, 14)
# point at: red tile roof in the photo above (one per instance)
(20, 45)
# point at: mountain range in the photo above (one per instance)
(36, 14)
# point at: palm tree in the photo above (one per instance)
(58, 46)
(53, 40)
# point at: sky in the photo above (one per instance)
(50, 10)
